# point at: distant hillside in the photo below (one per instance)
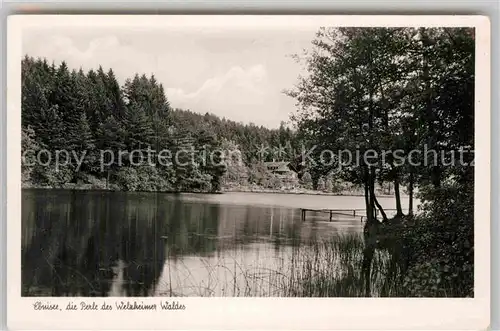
(250, 139)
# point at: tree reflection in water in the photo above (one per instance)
(89, 243)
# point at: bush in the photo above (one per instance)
(146, 178)
(321, 184)
(442, 242)
(49, 176)
(328, 185)
(275, 183)
(306, 181)
(127, 179)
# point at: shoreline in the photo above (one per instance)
(305, 192)
(224, 191)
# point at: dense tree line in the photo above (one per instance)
(250, 139)
(374, 90)
(90, 112)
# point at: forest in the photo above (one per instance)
(87, 112)
(374, 90)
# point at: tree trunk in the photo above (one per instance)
(382, 212)
(410, 192)
(436, 176)
(372, 193)
(367, 194)
(399, 210)
(368, 253)
(369, 231)
(367, 199)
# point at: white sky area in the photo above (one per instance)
(237, 74)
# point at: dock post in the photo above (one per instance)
(331, 215)
(303, 215)
(354, 212)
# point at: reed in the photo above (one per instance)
(333, 269)
(322, 269)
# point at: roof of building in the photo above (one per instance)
(278, 166)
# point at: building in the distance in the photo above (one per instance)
(280, 168)
(284, 172)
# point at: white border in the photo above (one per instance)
(251, 313)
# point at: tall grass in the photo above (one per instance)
(322, 269)
(333, 269)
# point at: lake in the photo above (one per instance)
(98, 243)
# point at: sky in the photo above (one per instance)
(239, 73)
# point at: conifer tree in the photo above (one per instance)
(138, 128)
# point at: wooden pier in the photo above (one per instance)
(354, 213)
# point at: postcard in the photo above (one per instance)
(243, 172)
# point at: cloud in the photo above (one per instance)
(241, 83)
(237, 94)
(106, 51)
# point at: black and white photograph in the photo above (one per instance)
(236, 161)
(333, 162)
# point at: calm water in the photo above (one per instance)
(90, 243)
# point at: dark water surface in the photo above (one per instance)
(94, 243)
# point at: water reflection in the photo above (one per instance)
(79, 243)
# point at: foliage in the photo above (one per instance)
(258, 174)
(90, 111)
(51, 177)
(442, 242)
(306, 181)
(328, 184)
(275, 183)
(236, 171)
(406, 89)
(28, 161)
(321, 184)
(90, 114)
